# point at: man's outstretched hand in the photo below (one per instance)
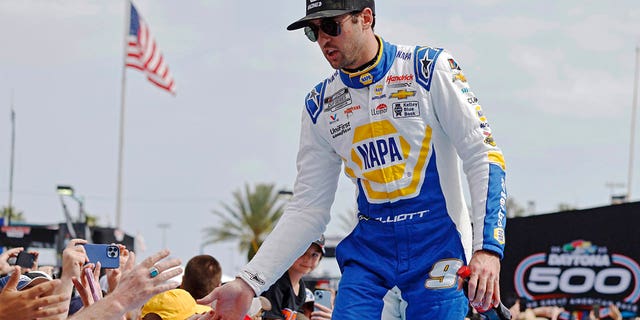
(232, 300)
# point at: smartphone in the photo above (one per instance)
(322, 297)
(88, 275)
(596, 311)
(25, 259)
(107, 254)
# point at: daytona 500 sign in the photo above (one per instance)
(575, 259)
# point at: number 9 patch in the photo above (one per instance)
(443, 274)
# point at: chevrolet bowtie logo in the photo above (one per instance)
(403, 94)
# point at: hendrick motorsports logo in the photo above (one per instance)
(579, 273)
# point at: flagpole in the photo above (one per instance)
(10, 210)
(122, 118)
(634, 108)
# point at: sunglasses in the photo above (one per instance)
(329, 26)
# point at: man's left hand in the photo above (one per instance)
(484, 282)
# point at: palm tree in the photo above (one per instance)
(15, 215)
(249, 218)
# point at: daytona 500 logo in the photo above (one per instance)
(577, 270)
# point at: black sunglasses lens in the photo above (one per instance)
(312, 33)
(330, 27)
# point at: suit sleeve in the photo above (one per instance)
(307, 213)
(461, 117)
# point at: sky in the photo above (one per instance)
(555, 79)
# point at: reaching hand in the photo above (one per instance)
(73, 259)
(323, 313)
(113, 275)
(36, 302)
(484, 282)
(146, 279)
(137, 285)
(84, 288)
(233, 300)
(5, 267)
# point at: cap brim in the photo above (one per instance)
(317, 15)
(34, 282)
(201, 308)
(324, 252)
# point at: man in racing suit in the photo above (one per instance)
(397, 118)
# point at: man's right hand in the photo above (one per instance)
(36, 302)
(232, 300)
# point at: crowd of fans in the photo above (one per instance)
(520, 311)
(147, 290)
(82, 290)
(132, 290)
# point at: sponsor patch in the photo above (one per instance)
(378, 92)
(406, 109)
(453, 64)
(333, 118)
(459, 76)
(255, 277)
(313, 102)
(489, 140)
(314, 4)
(338, 100)
(401, 85)
(379, 110)
(403, 94)
(366, 79)
(378, 89)
(391, 79)
(340, 129)
(424, 65)
(403, 55)
(349, 111)
(498, 235)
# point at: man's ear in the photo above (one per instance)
(367, 16)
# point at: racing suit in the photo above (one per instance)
(399, 128)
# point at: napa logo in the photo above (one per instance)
(379, 152)
(381, 158)
(378, 90)
(366, 79)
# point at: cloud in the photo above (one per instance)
(556, 85)
(507, 28)
(600, 32)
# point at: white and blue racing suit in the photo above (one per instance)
(399, 128)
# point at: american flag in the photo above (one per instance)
(143, 54)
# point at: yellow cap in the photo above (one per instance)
(176, 304)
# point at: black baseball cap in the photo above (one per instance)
(318, 9)
(320, 243)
